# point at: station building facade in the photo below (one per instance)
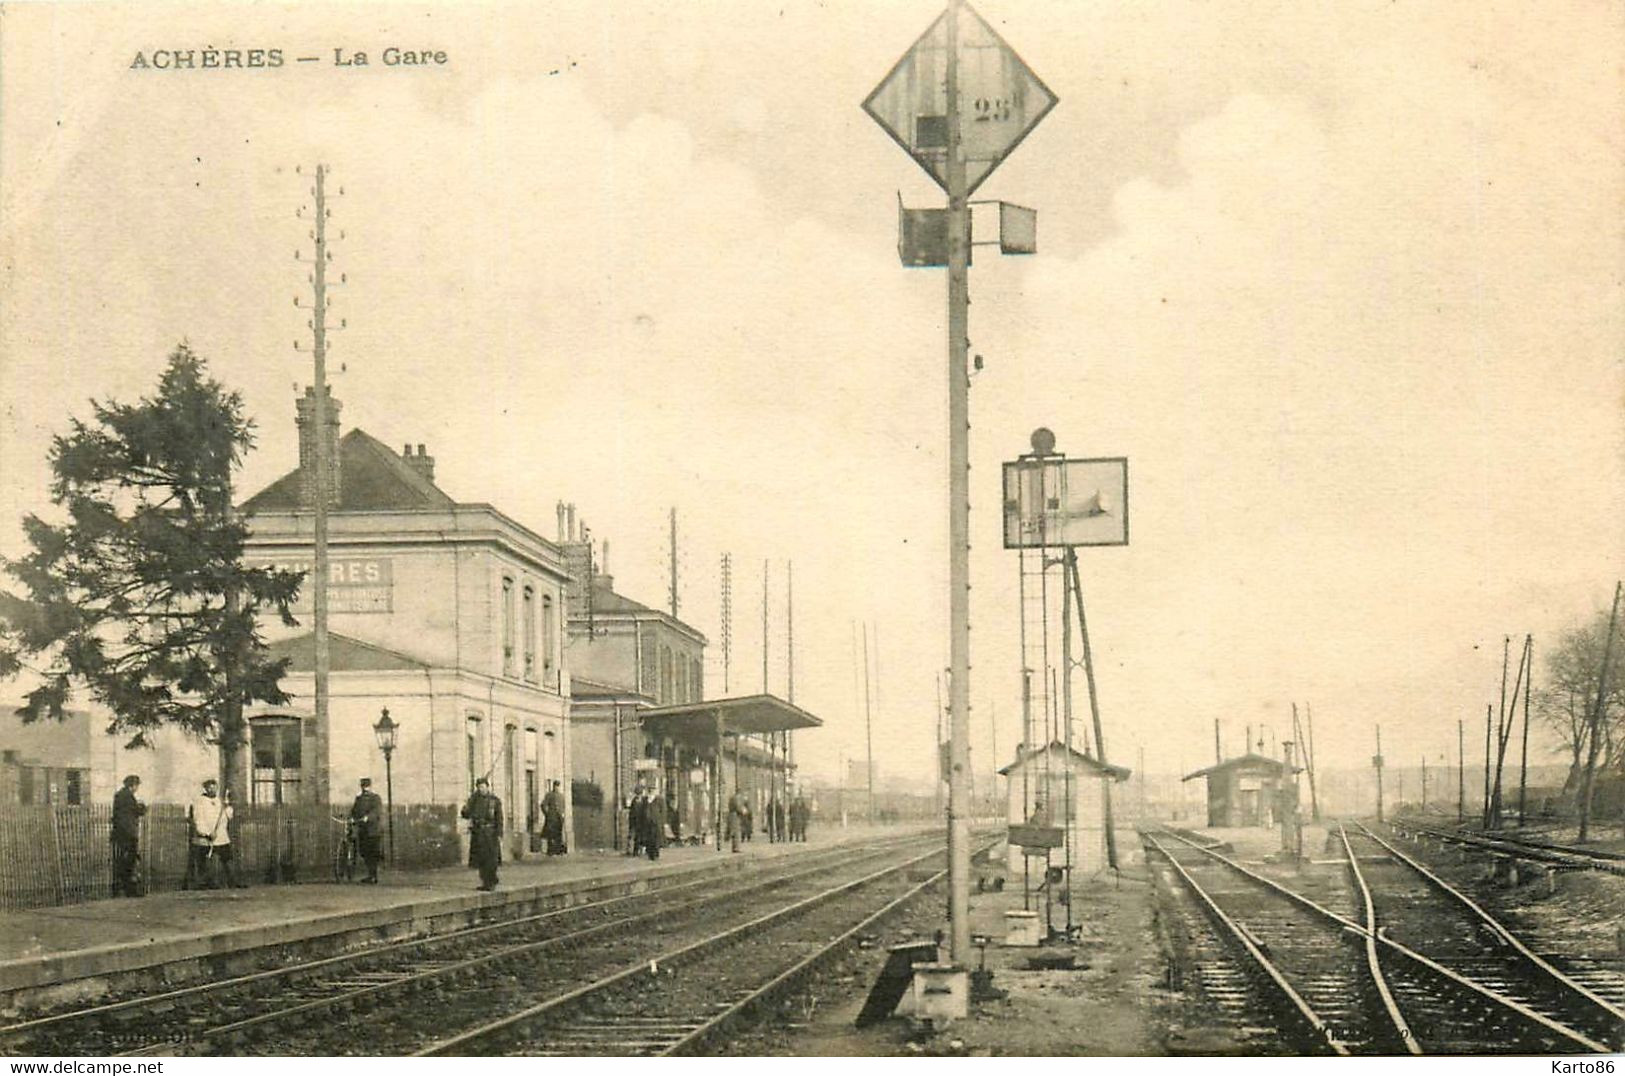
(448, 614)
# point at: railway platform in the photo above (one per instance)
(83, 951)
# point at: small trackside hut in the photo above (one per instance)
(1242, 791)
(1051, 778)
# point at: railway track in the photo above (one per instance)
(1301, 952)
(671, 1003)
(313, 1000)
(1346, 986)
(1420, 909)
(1555, 856)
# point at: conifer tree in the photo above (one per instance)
(139, 595)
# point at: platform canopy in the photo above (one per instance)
(752, 715)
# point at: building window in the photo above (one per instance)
(277, 747)
(472, 735)
(507, 625)
(74, 787)
(696, 680)
(549, 642)
(509, 735)
(533, 793)
(527, 610)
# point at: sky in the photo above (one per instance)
(1342, 281)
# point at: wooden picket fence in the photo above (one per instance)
(52, 854)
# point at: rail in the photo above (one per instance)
(1507, 938)
(461, 1042)
(1243, 937)
(166, 1000)
(1567, 857)
(1373, 964)
(1495, 997)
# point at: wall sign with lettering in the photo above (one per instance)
(354, 584)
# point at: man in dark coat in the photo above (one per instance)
(367, 815)
(127, 812)
(654, 824)
(484, 813)
(634, 822)
(736, 820)
(553, 820)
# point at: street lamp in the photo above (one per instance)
(385, 731)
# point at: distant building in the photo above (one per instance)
(1242, 791)
(54, 762)
(449, 614)
(1066, 788)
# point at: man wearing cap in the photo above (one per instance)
(484, 813)
(366, 814)
(208, 819)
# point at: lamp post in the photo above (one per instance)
(385, 731)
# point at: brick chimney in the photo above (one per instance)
(306, 421)
(422, 463)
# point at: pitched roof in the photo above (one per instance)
(606, 601)
(1249, 761)
(583, 688)
(372, 477)
(344, 654)
(1116, 773)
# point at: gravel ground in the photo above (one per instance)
(1113, 1004)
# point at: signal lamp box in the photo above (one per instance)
(922, 237)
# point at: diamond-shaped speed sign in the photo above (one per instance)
(1001, 100)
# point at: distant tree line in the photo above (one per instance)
(1582, 703)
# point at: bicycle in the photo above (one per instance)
(346, 853)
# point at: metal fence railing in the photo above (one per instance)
(52, 854)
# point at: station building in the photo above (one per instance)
(449, 614)
(1242, 791)
(1067, 789)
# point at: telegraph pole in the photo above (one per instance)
(1376, 762)
(1528, 689)
(674, 562)
(790, 653)
(1461, 771)
(727, 618)
(958, 516)
(919, 105)
(318, 590)
(868, 729)
(764, 627)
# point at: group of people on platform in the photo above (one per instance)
(648, 816)
(784, 821)
(211, 860)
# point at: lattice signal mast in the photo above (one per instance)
(727, 618)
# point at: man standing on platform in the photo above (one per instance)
(127, 812)
(484, 813)
(736, 819)
(634, 821)
(553, 820)
(367, 813)
(654, 823)
(206, 818)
